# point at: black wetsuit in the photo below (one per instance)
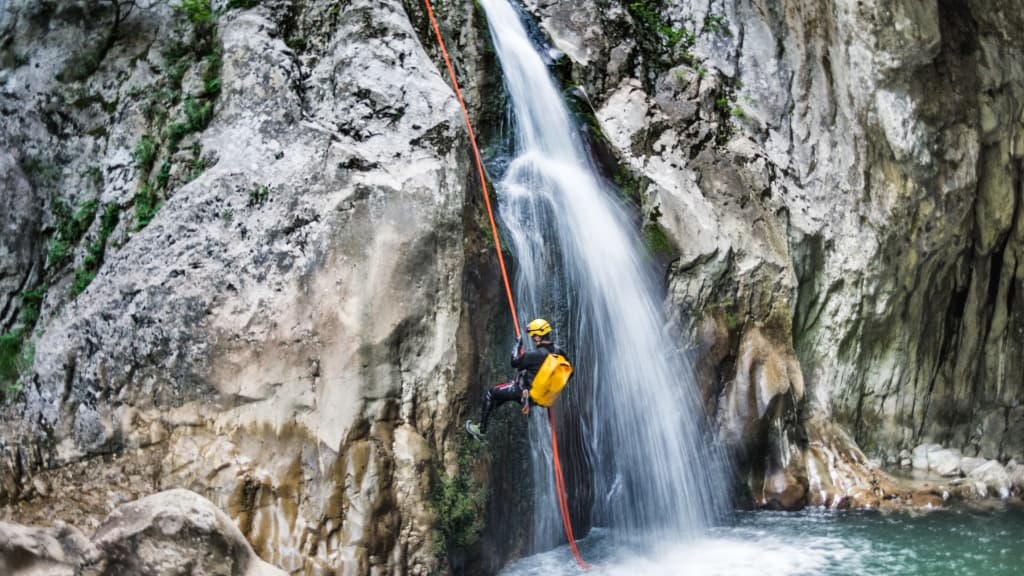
(527, 365)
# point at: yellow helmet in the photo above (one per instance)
(538, 327)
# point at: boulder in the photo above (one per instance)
(944, 462)
(919, 458)
(995, 478)
(969, 464)
(168, 533)
(1015, 472)
(34, 551)
(176, 532)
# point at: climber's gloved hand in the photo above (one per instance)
(517, 349)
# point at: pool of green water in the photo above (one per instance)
(962, 542)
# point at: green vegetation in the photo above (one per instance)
(722, 104)
(655, 237)
(197, 165)
(647, 14)
(211, 73)
(147, 204)
(198, 115)
(15, 354)
(658, 37)
(70, 227)
(297, 43)
(727, 109)
(31, 303)
(12, 361)
(197, 11)
(144, 154)
(715, 24)
(459, 502)
(96, 250)
(666, 44)
(42, 173)
(173, 115)
(163, 175)
(628, 185)
(259, 195)
(728, 311)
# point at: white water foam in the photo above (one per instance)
(733, 552)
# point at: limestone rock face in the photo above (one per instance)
(841, 178)
(19, 247)
(281, 335)
(172, 532)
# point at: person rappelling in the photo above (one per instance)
(541, 375)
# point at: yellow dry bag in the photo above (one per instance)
(551, 377)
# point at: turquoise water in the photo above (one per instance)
(955, 542)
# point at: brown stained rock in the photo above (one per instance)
(767, 374)
(926, 500)
(864, 498)
(175, 532)
(792, 497)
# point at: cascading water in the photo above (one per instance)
(581, 264)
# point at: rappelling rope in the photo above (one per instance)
(559, 481)
(479, 167)
(563, 502)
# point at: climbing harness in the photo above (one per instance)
(559, 481)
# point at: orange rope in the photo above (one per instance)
(563, 502)
(479, 167)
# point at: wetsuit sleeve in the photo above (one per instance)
(530, 360)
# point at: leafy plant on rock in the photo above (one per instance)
(70, 227)
(173, 114)
(16, 354)
(259, 195)
(459, 502)
(96, 250)
(144, 154)
(147, 204)
(197, 11)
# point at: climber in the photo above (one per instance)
(527, 364)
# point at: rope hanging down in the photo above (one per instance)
(479, 166)
(563, 502)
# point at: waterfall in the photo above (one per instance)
(579, 263)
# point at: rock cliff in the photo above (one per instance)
(242, 252)
(841, 184)
(241, 235)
